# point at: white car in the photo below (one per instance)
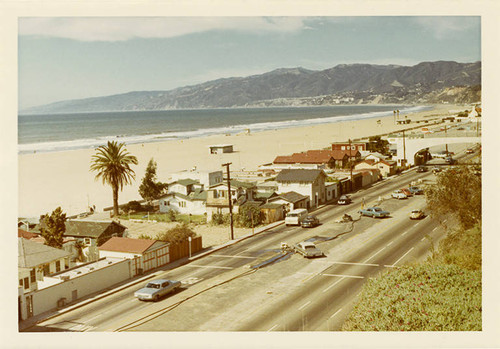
(398, 194)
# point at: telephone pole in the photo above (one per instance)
(350, 163)
(229, 198)
(404, 149)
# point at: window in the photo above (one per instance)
(86, 241)
(182, 204)
(20, 282)
(58, 266)
(32, 275)
(46, 270)
(342, 147)
(26, 283)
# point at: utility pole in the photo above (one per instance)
(350, 163)
(404, 148)
(229, 198)
(446, 136)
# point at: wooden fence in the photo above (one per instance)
(181, 250)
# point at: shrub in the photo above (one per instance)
(172, 215)
(244, 216)
(177, 234)
(220, 218)
(133, 206)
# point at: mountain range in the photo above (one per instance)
(426, 82)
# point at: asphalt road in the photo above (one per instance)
(225, 292)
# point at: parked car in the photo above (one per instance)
(398, 194)
(421, 169)
(156, 289)
(407, 192)
(415, 190)
(344, 200)
(375, 212)
(449, 160)
(416, 214)
(310, 222)
(469, 151)
(436, 170)
(308, 249)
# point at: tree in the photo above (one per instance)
(457, 192)
(150, 189)
(53, 227)
(177, 234)
(244, 217)
(79, 246)
(376, 143)
(112, 164)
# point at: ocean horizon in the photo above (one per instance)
(60, 132)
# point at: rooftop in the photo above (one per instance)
(31, 254)
(298, 175)
(119, 244)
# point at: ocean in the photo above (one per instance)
(58, 132)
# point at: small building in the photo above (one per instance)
(310, 183)
(194, 203)
(220, 148)
(218, 197)
(272, 212)
(290, 200)
(360, 146)
(146, 254)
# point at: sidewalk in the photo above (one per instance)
(26, 324)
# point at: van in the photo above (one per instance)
(295, 217)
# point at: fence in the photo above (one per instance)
(180, 250)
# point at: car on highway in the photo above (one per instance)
(436, 170)
(398, 194)
(416, 214)
(308, 249)
(407, 192)
(156, 289)
(344, 200)
(469, 151)
(310, 222)
(449, 160)
(375, 212)
(421, 169)
(415, 190)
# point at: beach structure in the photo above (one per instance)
(360, 146)
(317, 159)
(145, 254)
(310, 183)
(218, 197)
(220, 148)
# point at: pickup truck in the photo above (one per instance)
(375, 212)
(156, 289)
(308, 249)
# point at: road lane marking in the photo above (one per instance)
(304, 305)
(226, 256)
(423, 239)
(404, 233)
(272, 328)
(347, 263)
(338, 311)
(376, 253)
(95, 317)
(344, 276)
(403, 256)
(389, 244)
(329, 287)
(208, 266)
(434, 229)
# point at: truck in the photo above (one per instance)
(375, 212)
(295, 217)
(308, 249)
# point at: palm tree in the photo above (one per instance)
(112, 164)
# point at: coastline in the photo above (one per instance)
(52, 179)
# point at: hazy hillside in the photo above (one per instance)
(427, 82)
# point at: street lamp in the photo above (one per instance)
(190, 239)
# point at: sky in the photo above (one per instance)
(79, 57)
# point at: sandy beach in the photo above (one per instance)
(49, 180)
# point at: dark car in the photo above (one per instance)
(415, 190)
(469, 151)
(344, 200)
(310, 222)
(421, 169)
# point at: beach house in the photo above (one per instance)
(310, 183)
(218, 197)
(360, 146)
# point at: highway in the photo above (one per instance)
(227, 291)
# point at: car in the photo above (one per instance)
(156, 289)
(308, 249)
(407, 192)
(398, 194)
(449, 160)
(415, 190)
(436, 170)
(375, 212)
(469, 151)
(416, 214)
(310, 222)
(421, 169)
(344, 200)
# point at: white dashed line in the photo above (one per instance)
(272, 328)
(403, 256)
(389, 244)
(423, 239)
(404, 233)
(344, 276)
(434, 229)
(304, 305)
(225, 256)
(376, 253)
(348, 263)
(329, 287)
(338, 311)
(208, 266)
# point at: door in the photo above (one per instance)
(29, 306)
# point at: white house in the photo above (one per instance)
(218, 197)
(310, 183)
(205, 178)
(193, 203)
(146, 254)
(291, 200)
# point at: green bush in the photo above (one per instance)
(244, 216)
(177, 234)
(220, 219)
(425, 297)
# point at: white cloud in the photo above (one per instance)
(443, 26)
(125, 28)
